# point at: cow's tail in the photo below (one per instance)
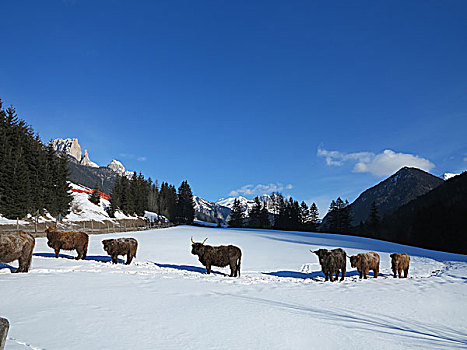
(238, 265)
(134, 251)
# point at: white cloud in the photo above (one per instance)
(382, 164)
(249, 190)
(141, 159)
(338, 158)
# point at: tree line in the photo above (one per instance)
(136, 195)
(33, 178)
(283, 214)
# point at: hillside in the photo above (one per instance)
(279, 302)
(400, 188)
(436, 220)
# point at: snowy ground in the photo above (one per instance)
(163, 300)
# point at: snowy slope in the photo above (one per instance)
(163, 300)
(83, 210)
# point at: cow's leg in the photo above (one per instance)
(343, 274)
(208, 269)
(406, 272)
(57, 252)
(233, 269)
(376, 272)
(326, 276)
(114, 259)
(360, 272)
(365, 273)
(399, 272)
(129, 257)
(79, 253)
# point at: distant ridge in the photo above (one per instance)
(400, 188)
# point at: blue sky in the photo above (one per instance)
(315, 99)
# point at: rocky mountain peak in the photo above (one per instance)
(116, 166)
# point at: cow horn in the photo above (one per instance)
(192, 240)
(205, 240)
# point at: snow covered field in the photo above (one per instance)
(163, 300)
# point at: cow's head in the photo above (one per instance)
(395, 260)
(108, 244)
(355, 260)
(196, 246)
(322, 253)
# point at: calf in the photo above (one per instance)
(68, 240)
(218, 256)
(332, 261)
(121, 246)
(399, 263)
(365, 262)
(17, 246)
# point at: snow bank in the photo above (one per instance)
(163, 300)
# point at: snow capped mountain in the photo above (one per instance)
(210, 211)
(206, 210)
(448, 176)
(248, 204)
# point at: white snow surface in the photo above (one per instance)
(164, 300)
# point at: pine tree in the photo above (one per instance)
(95, 196)
(304, 216)
(314, 217)
(236, 217)
(255, 214)
(264, 220)
(185, 204)
(374, 220)
(339, 217)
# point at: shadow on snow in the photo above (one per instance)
(100, 258)
(189, 268)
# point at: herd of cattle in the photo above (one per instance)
(20, 245)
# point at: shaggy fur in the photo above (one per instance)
(17, 246)
(399, 263)
(121, 246)
(332, 261)
(218, 256)
(365, 262)
(69, 240)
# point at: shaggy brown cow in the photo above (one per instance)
(400, 262)
(121, 246)
(218, 256)
(17, 246)
(332, 261)
(69, 240)
(365, 262)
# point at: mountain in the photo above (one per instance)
(405, 185)
(248, 204)
(206, 211)
(436, 220)
(73, 149)
(85, 172)
(88, 176)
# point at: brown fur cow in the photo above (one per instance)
(121, 246)
(17, 246)
(218, 256)
(399, 263)
(365, 262)
(332, 261)
(68, 240)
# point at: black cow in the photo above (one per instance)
(218, 256)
